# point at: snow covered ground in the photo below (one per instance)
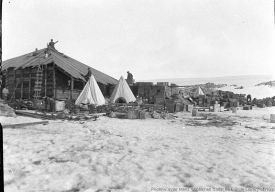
(226, 151)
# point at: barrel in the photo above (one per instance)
(272, 118)
(59, 105)
(234, 109)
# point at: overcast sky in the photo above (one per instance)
(151, 38)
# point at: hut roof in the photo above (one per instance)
(73, 67)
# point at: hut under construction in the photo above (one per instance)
(155, 93)
(50, 73)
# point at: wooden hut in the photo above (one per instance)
(155, 93)
(50, 73)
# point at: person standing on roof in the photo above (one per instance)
(51, 44)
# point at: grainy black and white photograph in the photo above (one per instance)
(138, 95)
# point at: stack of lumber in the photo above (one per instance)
(18, 125)
(125, 111)
(59, 115)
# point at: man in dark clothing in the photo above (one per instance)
(51, 44)
(88, 75)
(248, 99)
(130, 79)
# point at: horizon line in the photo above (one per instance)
(204, 77)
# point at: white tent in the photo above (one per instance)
(198, 92)
(122, 91)
(91, 94)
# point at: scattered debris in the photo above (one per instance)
(156, 115)
(253, 128)
(209, 120)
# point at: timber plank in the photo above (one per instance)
(17, 125)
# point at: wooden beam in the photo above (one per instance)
(54, 87)
(46, 77)
(30, 114)
(54, 82)
(14, 87)
(30, 79)
(22, 82)
(72, 87)
(17, 125)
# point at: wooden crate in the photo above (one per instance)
(133, 114)
(170, 107)
(142, 115)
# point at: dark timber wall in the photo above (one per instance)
(56, 83)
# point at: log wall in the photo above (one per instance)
(21, 82)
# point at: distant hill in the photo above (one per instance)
(268, 83)
(242, 80)
(245, 82)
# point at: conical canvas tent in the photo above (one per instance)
(91, 94)
(198, 92)
(122, 91)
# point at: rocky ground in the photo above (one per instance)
(215, 150)
(268, 83)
